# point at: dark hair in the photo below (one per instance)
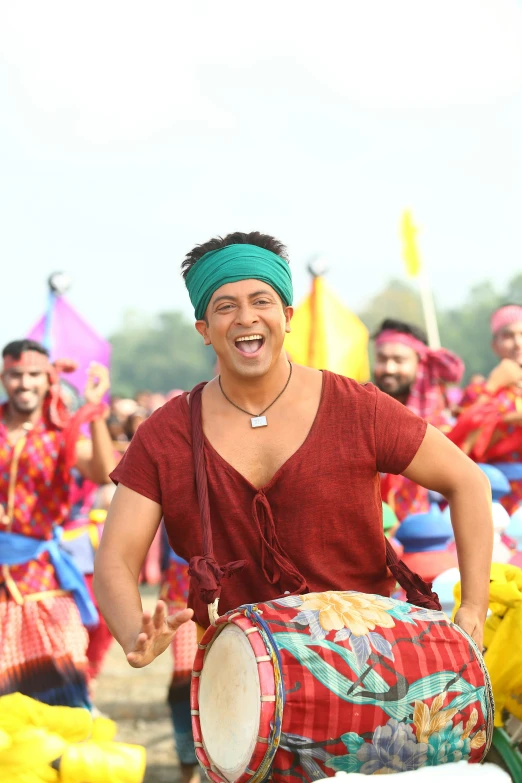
(390, 324)
(18, 347)
(237, 238)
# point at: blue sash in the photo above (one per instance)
(16, 549)
(176, 558)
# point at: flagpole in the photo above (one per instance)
(430, 313)
(48, 325)
(58, 284)
(317, 268)
(415, 268)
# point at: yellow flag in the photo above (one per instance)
(409, 245)
(328, 336)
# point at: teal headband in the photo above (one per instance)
(232, 263)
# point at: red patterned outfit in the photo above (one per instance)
(43, 639)
(499, 443)
(427, 400)
(81, 538)
(174, 592)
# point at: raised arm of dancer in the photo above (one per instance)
(131, 525)
(95, 457)
(441, 466)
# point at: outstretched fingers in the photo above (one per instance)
(136, 657)
(179, 619)
(159, 616)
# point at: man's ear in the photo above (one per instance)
(202, 328)
(289, 312)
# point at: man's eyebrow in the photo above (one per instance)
(228, 298)
(234, 298)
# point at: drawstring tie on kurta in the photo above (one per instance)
(277, 566)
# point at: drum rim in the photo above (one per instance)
(248, 619)
(490, 722)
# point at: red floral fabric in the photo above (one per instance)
(507, 400)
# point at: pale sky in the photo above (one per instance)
(131, 131)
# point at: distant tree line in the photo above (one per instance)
(165, 352)
(158, 354)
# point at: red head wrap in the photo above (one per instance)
(504, 316)
(435, 367)
(55, 410)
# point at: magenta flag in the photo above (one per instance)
(71, 337)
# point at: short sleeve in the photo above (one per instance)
(398, 434)
(138, 471)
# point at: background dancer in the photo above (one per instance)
(81, 537)
(293, 457)
(43, 598)
(410, 372)
(489, 428)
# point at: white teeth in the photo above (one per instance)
(250, 337)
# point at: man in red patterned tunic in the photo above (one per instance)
(490, 426)
(43, 598)
(406, 369)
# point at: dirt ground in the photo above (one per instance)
(136, 700)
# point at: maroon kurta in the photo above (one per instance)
(321, 513)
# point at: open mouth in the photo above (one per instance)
(249, 345)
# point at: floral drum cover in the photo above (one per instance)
(368, 684)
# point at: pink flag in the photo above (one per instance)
(71, 337)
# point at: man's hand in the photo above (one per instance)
(156, 634)
(98, 383)
(472, 621)
(507, 373)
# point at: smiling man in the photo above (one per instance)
(43, 599)
(293, 457)
(407, 370)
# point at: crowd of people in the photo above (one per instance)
(56, 468)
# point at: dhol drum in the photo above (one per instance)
(302, 687)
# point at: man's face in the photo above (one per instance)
(26, 388)
(507, 343)
(246, 326)
(395, 368)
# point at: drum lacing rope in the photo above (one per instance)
(271, 647)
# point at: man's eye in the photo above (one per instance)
(262, 301)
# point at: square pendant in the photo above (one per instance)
(259, 421)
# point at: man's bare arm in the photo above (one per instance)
(131, 525)
(95, 458)
(441, 466)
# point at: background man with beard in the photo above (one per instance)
(408, 370)
(490, 427)
(43, 598)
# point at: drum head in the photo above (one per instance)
(229, 702)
